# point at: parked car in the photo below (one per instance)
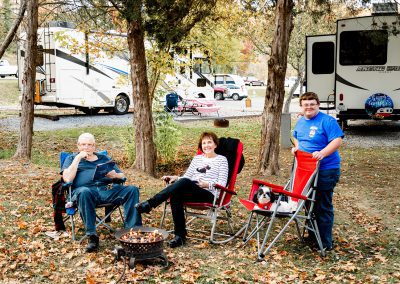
(220, 93)
(7, 70)
(228, 79)
(235, 92)
(253, 81)
(289, 82)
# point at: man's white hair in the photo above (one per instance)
(88, 136)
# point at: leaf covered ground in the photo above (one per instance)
(366, 232)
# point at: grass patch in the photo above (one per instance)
(9, 92)
(366, 233)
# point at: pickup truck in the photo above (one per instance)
(7, 70)
(220, 93)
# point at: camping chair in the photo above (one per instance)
(213, 211)
(171, 103)
(71, 209)
(295, 202)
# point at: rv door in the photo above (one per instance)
(320, 68)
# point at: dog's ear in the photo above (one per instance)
(272, 197)
(255, 196)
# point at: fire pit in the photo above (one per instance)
(141, 243)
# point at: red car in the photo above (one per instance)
(220, 93)
(253, 81)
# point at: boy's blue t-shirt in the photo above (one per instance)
(315, 133)
(86, 169)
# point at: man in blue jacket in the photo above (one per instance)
(88, 192)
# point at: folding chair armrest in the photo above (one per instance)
(274, 186)
(224, 189)
(67, 184)
(288, 193)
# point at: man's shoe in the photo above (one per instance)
(177, 241)
(143, 207)
(93, 244)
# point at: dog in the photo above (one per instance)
(263, 196)
(267, 200)
(204, 169)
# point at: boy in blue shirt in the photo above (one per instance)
(320, 134)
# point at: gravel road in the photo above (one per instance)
(359, 134)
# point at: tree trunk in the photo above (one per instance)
(24, 148)
(143, 116)
(271, 117)
(11, 33)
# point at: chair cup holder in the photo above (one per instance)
(70, 211)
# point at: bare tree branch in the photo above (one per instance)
(11, 33)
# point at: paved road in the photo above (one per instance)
(229, 108)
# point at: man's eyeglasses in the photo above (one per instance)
(309, 105)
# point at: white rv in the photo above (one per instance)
(68, 76)
(189, 78)
(357, 70)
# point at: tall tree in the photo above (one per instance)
(24, 148)
(275, 93)
(143, 119)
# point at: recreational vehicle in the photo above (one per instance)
(357, 70)
(188, 79)
(71, 74)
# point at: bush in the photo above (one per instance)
(129, 144)
(167, 138)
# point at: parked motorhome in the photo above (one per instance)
(69, 76)
(357, 70)
(189, 77)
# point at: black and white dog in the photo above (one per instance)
(264, 195)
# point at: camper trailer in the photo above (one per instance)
(71, 74)
(357, 70)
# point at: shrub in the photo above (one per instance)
(167, 137)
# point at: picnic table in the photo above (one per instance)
(198, 106)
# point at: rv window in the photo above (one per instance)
(201, 82)
(363, 47)
(229, 80)
(323, 58)
(197, 67)
(206, 67)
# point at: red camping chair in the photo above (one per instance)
(295, 202)
(212, 211)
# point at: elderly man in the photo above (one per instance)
(87, 193)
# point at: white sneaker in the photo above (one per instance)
(57, 234)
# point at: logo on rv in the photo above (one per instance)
(379, 106)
